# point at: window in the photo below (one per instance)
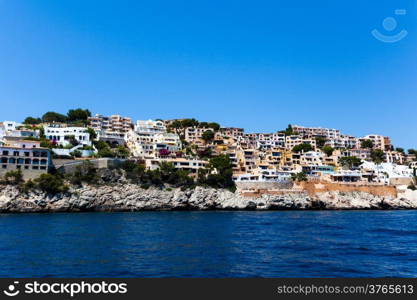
(5, 152)
(15, 153)
(4, 166)
(35, 168)
(27, 153)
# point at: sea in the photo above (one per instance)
(214, 244)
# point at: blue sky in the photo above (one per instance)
(254, 64)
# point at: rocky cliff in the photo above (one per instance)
(128, 197)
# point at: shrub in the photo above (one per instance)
(134, 171)
(52, 184)
(86, 172)
(299, 177)
(145, 186)
(76, 153)
(412, 187)
(14, 177)
(27, 186)
(302, 148)
(223, 176)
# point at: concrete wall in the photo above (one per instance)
(99, 163)
(27, 173)
(401, 181)
(264, 185)
(320, 187)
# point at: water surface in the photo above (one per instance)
(210, 244)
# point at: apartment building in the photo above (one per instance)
(62, 134)
(328, 133)
(190, 165)
(193, 135)
(364, 154)
(140, 144)
(167, 141)
(293, 140)
(380, 142)
(232, 132)
(27, 156)
(248, 159)
(275, 157)
(312, 158)
(10, 125)
(150, 126)
(115, 124)
(349, 142)
(395, 157)
(150, 137)
(266, 141)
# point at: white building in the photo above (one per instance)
(312, 158)
(62, 135)
(264, 175)
(10, 125)
(388, 171)
(190, 165)
(266, 141)
(316, 132)
(150, 126)
(167, 141)
(149, 137)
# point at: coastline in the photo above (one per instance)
(125, 197)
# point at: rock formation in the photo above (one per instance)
(130, 197)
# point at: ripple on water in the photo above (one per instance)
(210, 244)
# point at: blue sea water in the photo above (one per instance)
(210, 244)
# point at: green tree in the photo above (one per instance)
(298, 177)
(320, 141)
(302, 148)
(214, 126)
(134, 171)
(100, 145)
(78, 114)
(122, 152)
(377, 156)
(219, 173)
(328, 150)
(208, 136)
(350, 162)
(14, 177)
(86, 172)
(51, 183)
(367, 144)
(412, 151)
(92, 133)
(289, 131)
(189, 123)
(76, 153)
(401, 150)
(204, 154)
(51, 117)
(32, 121)
(105, 152)
(72, 140)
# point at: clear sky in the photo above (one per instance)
(254, 64)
